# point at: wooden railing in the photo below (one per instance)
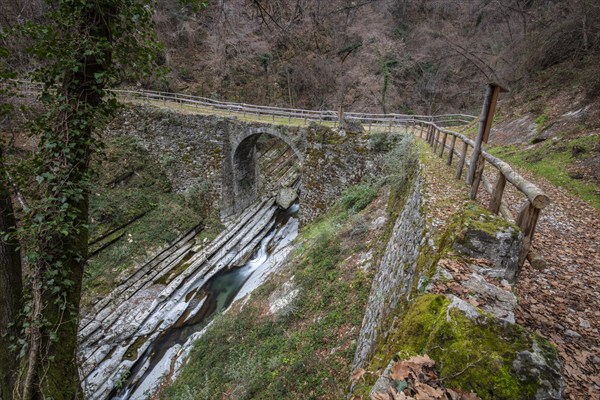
(431, 128)
(275, 113)
(307, 116)
(456, 144)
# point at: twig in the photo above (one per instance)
(462, 371)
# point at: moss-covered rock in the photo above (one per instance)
(478, 233)
(474, 351)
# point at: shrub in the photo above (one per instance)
(198, 197)
(356, 198)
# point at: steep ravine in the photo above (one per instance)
(138, 334)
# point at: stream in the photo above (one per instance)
(165, 355)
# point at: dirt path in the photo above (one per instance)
(562, 302)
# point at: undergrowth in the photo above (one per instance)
(302, 354)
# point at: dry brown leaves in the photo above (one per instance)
(562, 302)
(417, 379)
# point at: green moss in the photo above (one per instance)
(470, 355)
(475, 217)
(132, 351)
(175, 272)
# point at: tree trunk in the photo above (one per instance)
(11, 290)
(56, 373)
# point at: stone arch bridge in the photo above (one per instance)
(222, 152)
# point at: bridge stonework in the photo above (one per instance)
(331, 161)
(222, 152)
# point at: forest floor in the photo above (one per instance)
(562, 301)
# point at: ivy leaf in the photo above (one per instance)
(400, 385)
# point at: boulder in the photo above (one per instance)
(484, 235)
(286, 197)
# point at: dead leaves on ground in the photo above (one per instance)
(417, 379)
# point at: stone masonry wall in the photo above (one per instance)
(190, 147)
(335, 159)
(199, 149)
(396, 274)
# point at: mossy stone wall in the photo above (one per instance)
(397, 273)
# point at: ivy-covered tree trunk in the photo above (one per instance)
(81, 47)
(66, 146)
(11, 290)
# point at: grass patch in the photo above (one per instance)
(552, 161)
(356, 198)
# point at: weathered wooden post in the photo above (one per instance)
(461, 162)
(443, 144)
(496, 200)
(485, 124)
(431, 134)
(452, 144)
(527, 221)
(436, 139)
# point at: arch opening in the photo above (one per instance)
(264, 163)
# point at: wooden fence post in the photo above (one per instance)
(443, 144)
(430, 136)
(527, 221)
(452, 143)
(436, 139)
(494, 206)
(461, 163)
(485, 124)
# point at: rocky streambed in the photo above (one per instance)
(142, 331)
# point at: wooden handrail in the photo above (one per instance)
(312, 115)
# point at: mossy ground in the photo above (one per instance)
(475, 217)
(471, 355)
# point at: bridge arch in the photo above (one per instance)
(244, 162)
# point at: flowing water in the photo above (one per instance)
(164, 356)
